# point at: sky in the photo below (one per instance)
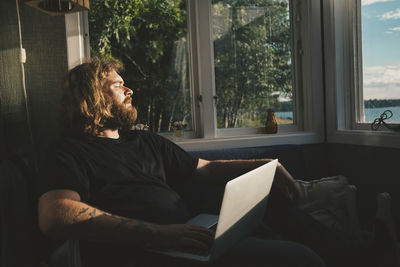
(381, 48)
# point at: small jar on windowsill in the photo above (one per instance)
(179, 130)
(271, 126)
(178, 134)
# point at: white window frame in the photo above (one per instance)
(343, 78)
(308, 81)
(308, 124)
(358, 102)
(77, 34)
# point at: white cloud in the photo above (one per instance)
(388, 32)
(382, 82)
(395, 14)
(395, 29)
(382, 93)
(370, 2)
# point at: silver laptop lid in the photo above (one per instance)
(243, 194)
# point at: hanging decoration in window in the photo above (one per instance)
(378, 122)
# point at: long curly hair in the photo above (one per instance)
(84, 107)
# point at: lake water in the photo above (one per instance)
(370, 114)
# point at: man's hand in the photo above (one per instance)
(182, 236)
(285, 182)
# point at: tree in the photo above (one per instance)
(252, 56)
(146, 35)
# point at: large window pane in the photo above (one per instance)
(253, 68)
(150, 38)
(381, 58)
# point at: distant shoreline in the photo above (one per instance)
(370, 114)
(287, 106)
(381, 103)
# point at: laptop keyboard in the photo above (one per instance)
(213, 228)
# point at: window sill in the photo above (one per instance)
(366, 138)
(249, 140)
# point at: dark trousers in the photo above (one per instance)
(250, 252)
(286, 221)
(291, 223)
(277, 253)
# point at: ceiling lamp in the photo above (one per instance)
(58, 7)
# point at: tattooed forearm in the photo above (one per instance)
(140, 225)
(82, 211)
(121, 222)
(118, 221)
(143, 227)
(110, 215)
(92, 214)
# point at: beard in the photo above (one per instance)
(124, 116)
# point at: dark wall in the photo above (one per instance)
(44, 39)
(372, 169)
(315, 157)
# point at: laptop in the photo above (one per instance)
(242, 210)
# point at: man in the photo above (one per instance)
(111, 188)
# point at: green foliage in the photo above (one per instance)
(252, 59)
(381, 103)
(252, 56)
(144, 35)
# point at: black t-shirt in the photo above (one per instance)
(130, 176)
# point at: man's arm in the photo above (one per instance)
(63, 216)
(221, 171)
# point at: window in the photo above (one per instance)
(217, 66)
(253, 63)
(380, 31)
(361, 70)
(252, 59)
